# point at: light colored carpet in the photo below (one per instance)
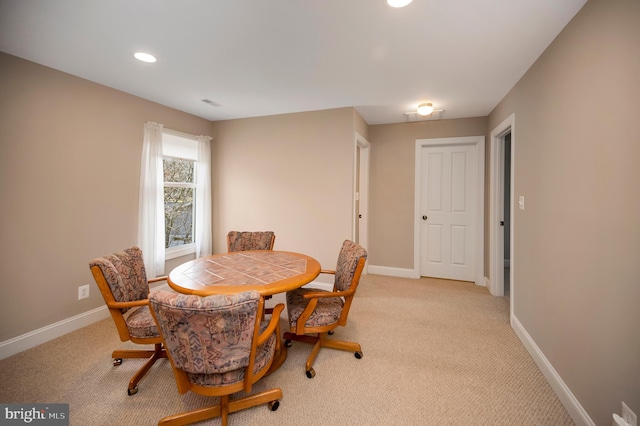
(435, 353)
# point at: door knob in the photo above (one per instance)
(424, 217)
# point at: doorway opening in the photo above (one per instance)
(501, 222)
(506, 212)
(361, 193)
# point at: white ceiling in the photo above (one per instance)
(265, 57)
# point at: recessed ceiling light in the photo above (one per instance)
(398, 3)
(144, 57)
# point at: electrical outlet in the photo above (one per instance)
(83, 291)
(628, 415)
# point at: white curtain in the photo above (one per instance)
(203, 198)
(151, 205)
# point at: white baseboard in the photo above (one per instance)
(407, 273)
(34, 338)
(566, 397)
(393, 272)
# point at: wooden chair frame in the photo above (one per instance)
(301, 332)
(115, 307)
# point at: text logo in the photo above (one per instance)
(34, 414)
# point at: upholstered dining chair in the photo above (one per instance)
(245, 240)
(122, 280)
(315, 313)
(218, 346)
(251, 240)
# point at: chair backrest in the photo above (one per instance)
(348, 260)
(124, 273)
(212, 334)
(245, 240)
(349, 268)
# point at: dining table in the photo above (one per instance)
(267, 271)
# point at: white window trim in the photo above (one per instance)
(184, 249)
(178, 251)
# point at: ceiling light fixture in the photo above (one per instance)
(145, 57)
(425, 109)
(398, 3)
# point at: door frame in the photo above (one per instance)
(361, 159)
(496, 207)
(478, 142)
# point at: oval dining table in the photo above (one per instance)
(267, 271)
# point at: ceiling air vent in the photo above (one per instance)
(210, 102)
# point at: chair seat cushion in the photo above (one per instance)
(327, 310)
(264, 355)
(141, 324)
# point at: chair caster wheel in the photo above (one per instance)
(358, 355)
(117, 362)
(132, 391)
(273, 405)
(311, 373)
(330, 332)
(287, 343)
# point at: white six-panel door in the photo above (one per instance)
(448, 208)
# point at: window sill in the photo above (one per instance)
(173, 252)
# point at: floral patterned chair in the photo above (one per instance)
(246, 240)
(315, 313)
(122, 280)
(242, 241)
(218, 346)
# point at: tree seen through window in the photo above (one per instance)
(179, 198)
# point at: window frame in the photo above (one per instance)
(184, 249)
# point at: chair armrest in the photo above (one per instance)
(132, 304)
(274, 324)
(313, 302)
(156, 279)
(324, 294)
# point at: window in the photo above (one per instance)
(174, 210)
(179, 167)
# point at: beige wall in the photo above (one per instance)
(577, 243)
(393, 183)
(291, 174)
(69, 176)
